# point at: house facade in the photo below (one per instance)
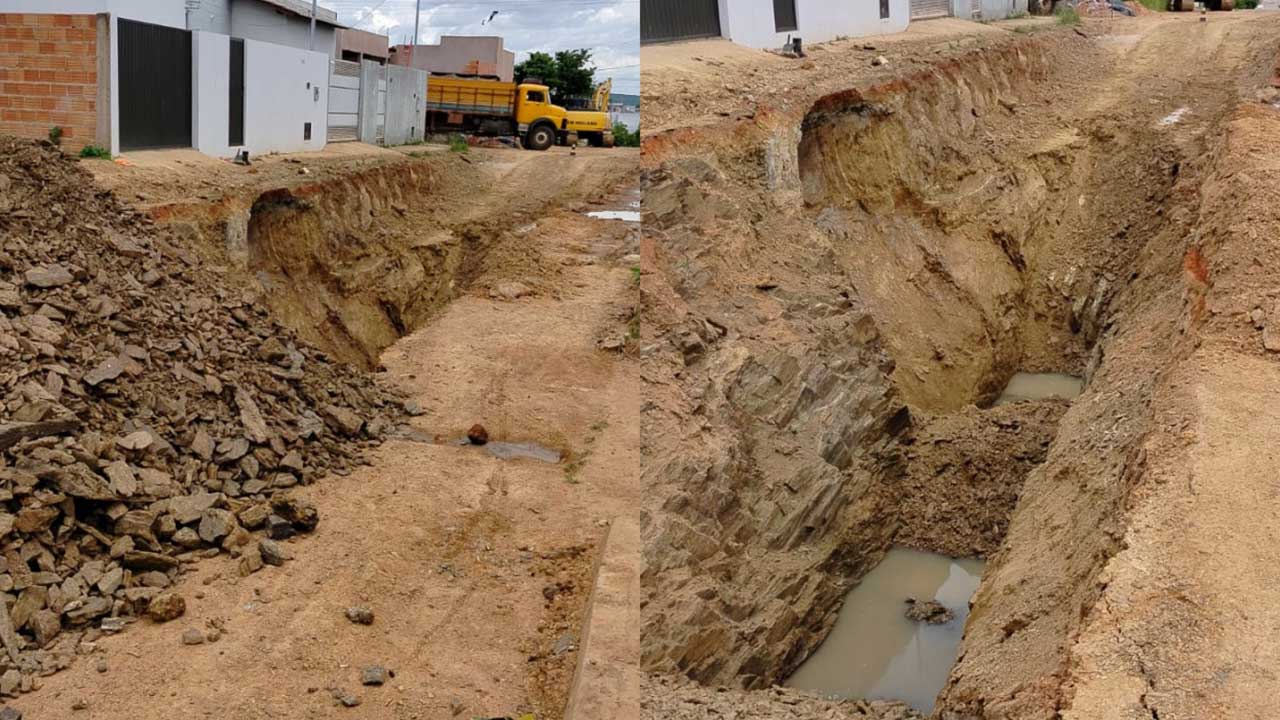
(458, 55)
(280, 22)
(219, 76)
(769, 23)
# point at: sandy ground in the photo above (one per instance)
(150, 177)
(698, 82)
(478, 569)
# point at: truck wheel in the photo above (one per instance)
(540, 137)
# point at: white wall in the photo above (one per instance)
(211, 15)
(751, 23)
(254, 20)
(172, 13)
(211, 77)
(278, 100)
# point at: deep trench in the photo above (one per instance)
(987, 230)
(964, 259)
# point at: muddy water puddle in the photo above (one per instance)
(1038, 386)
(875, 652)
(628, 209)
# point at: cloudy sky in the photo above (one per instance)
(610, 28)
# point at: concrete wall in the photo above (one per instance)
(370, 85)
(210, 15)
(49, 75)
(1001, 9)
(284, 88)
(406, 111)
(751, 23)
(256, 20)
(211, 78)
(363, 43)
(456, 53)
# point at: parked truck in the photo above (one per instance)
(484, 106)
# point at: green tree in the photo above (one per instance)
(624, 137)
(569, 73)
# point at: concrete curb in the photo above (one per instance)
(606, 684)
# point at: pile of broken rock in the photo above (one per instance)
(150, 414)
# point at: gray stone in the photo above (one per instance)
(166, 606)
(186, 537)
(216, 524)
(190, 508)
(272, 552)
(278, 528)
(360, 615)
(108, 369)
(110, 581)
(48, 276)
(123, 481)
(373, 675)
(192, 636)
(254, 515)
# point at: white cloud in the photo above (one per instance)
(609, 28)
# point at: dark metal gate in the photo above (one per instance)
(666, 20)
(235, 103)
(155, 86)
(784, 15)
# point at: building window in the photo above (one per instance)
(884, 9)
(784, 15)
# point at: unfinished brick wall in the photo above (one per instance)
(49, 76)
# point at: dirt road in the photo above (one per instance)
(477, 569)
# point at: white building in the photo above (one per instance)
(161, 84)
(769, 23)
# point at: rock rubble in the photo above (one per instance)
(151, 414)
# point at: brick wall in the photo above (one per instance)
(49, 76)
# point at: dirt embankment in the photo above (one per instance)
(356, 260)
(830, 287)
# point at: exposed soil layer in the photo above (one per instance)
(355, 260)
(831, 286)
(964, 471)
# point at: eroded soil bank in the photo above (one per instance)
(353, 261)
(833, 289)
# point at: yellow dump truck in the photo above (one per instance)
(491, 107)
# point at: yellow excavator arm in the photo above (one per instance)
(601, 100)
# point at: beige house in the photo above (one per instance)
(460, 55)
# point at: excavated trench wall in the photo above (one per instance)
(351, 262)
(828, 291)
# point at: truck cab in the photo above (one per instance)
(542, 124)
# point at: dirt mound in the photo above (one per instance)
(152, 413)
(964, 473)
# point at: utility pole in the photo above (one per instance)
(417, 12)
(312, 41)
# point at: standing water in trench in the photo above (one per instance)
(874, 651)
(1038, 386)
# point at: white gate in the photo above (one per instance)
(344, 100)
(925, 9)
(382, 106)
